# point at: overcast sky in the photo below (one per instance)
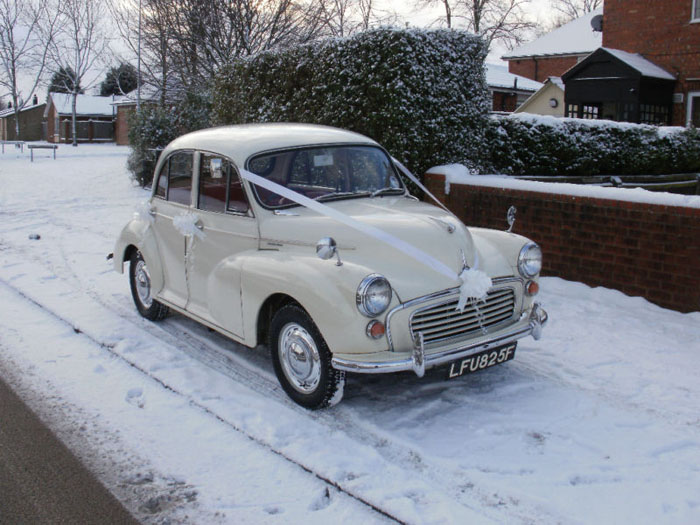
(539, 10)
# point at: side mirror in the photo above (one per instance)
(216, 168)
(510, 217)
(326, 248)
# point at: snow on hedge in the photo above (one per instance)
(420, 93)
(523, 144)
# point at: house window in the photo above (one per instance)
(696, 11)
(572, 110)
(651, 114)
(590, 111)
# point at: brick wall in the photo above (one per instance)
(661, 31)
(121, 124)
(644, 250)
(541, 69)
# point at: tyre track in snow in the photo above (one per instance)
(109, 347)
(223, 355)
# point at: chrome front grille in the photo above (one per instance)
(443, 321)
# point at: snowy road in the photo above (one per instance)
(599, 422)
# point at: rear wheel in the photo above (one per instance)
(141, 291)
(302, 360)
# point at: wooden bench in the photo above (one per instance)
(16, 143)
(32, 147)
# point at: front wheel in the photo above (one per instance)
(141, 291)
(302, 360)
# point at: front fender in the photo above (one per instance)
(324, 290)
(139, 233)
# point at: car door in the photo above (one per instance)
(229, 230)
(172, 199)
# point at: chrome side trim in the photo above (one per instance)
(419, 361)
(434, 296)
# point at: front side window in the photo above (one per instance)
(220, 187)
(326, 173)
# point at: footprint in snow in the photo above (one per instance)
(135, 397)
(322, 501)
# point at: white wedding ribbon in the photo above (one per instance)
(381, 235)
(403, 169)
(473, 282)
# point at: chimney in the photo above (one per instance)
(35, 100)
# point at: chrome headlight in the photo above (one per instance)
(530, 260)
(373, 295)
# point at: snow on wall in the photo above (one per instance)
(641, 243)
(458, 174)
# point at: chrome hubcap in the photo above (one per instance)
(300, 358)
(143, 284)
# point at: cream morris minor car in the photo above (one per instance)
(306, 238)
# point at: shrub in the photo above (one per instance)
(155, 126)
(421, 94)
(533, 145)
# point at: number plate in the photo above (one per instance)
(482, 360)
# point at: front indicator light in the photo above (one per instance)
(375, 329)
(532, 288)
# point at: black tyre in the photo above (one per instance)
(141, 291)
(302, 360)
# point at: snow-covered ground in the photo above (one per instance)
(598, 422)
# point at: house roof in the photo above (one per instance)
(11, 111)
(634, 61)
(575, 38)
(149, 93)
(498, 76)
(85, 104)
(641, 64)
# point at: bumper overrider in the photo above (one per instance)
(419, 360)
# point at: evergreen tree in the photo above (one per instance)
(63, 81)
(119, 80)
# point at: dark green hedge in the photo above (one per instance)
(155, 126)
(533, 145)
(421, 94)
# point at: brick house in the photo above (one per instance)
(508, 91)
(664, 33)
(667, 33)
(30, 119)
(554, 53)
(94, 118)
(125, 106)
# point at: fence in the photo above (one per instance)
(645, 245)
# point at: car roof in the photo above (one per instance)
(241, 141)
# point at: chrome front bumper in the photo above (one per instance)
(419, 361)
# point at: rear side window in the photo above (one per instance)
(179, 177)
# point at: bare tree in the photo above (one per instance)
(186, 42)
(346, 17)
(503, 20)
(23, 48)
(571, 9)
(80, 44)
(448, 5)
